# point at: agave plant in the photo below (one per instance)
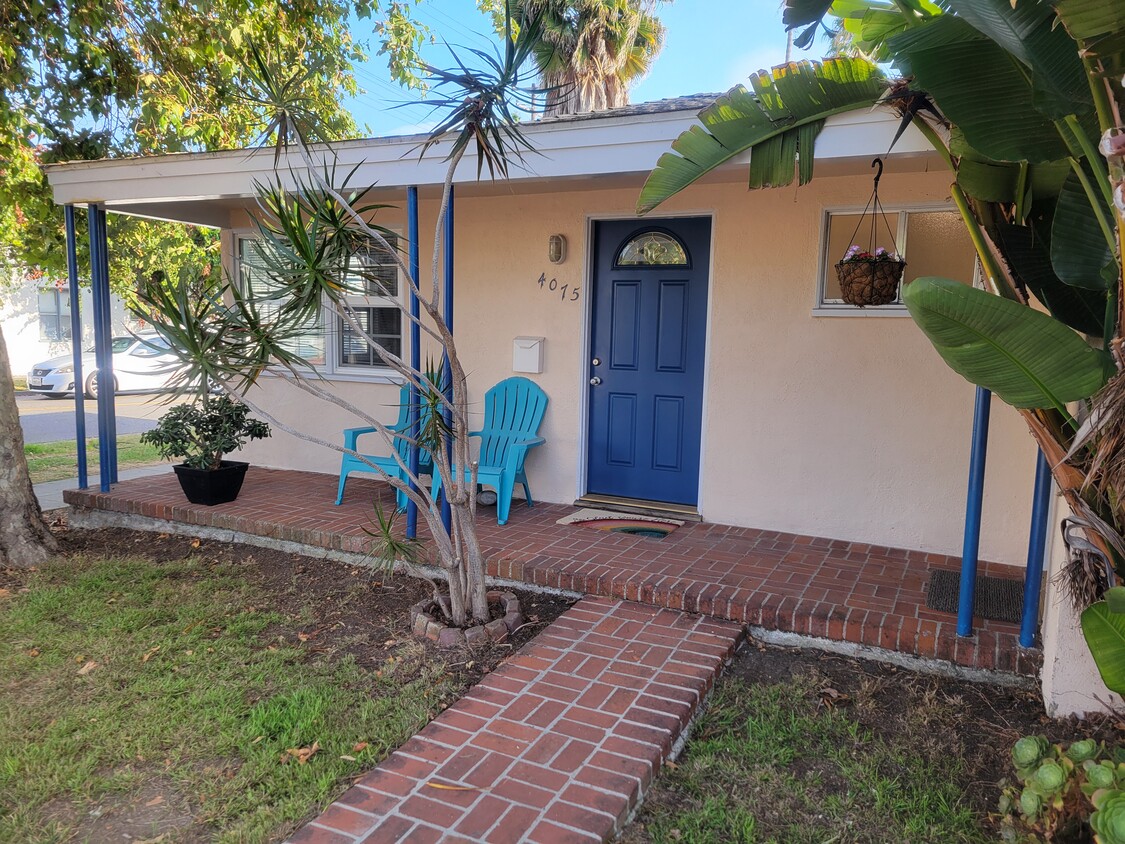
(1014, 97)
(310, 235)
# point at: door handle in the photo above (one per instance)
(595, 381)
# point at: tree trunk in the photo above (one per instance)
(25, 540)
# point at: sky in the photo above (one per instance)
(710, 46)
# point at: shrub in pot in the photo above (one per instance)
(200, 434)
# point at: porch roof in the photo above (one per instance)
(615, 148)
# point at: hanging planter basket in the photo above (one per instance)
(872, 277)
(871, 281)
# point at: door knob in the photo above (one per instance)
(596, 361)
(595, 381)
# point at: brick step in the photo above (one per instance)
(559, 744)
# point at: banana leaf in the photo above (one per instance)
(778, 123)
(1027, 358)
(1028, 258)
(1028, 32)
(1100, 26)
(1079, 251)
(1105, 635)
(980, 88)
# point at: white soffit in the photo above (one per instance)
(207, 185)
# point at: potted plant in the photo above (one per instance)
(201, 434)
(869, 278)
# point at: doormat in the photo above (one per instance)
(605, 520)
(997, 598)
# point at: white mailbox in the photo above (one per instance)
(527, 354)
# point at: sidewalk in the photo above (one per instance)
(50, 494)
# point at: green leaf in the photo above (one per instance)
(1115, 599)
(980, 88)
(1028, 257)
(1027, 31)
(1079, 251)
(1026, 357)
(1105, 635)
(778, 122)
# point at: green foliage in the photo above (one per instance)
(1105, 634)
(1059, 788)
(1108, 822)
(83, 79)
(778, 121)
(1024, 356)
(203, 432)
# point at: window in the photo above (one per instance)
(374, 285)
(373, 293)
(652, 248)
(54, 314)
(931, 241)
(150, 347)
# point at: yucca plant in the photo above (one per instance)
(310, 233)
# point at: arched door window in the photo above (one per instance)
(652, 248)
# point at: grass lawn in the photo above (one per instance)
(59, 461)
(171, 696)
(801, 747)
(21, 382)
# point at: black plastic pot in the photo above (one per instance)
(212, 486)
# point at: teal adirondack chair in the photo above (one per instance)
(388, 464)
(513, 411)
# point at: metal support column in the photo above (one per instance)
(974, 502)
(101, 342)
(447, 302)
(1036, 548)
(76, 346)
(415, 354)
(106, 393)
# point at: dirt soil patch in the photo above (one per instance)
(803, 746)
(105, 662)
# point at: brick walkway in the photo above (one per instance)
(849, 592)
(558, 744)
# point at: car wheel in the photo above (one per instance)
(92, 385)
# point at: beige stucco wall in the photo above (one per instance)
(850, 428)
(1070, 680)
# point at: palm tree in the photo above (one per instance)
(591, 51)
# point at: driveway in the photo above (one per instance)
(47, 420)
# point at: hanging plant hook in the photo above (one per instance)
(878, 162)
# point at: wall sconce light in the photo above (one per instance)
(556, 248)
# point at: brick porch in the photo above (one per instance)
(848, 592)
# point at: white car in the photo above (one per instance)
(140, 363)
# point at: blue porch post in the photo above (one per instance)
(76, 346)
(103, 345)
(447, 301)
(415, 355)
(974, 501)
(1036, 548)
(108, 394)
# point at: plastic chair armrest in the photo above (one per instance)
(352, 435)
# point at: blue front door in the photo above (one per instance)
(646, 368)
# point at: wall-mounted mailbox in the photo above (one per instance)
(527, 354)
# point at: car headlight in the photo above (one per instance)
(62, 370)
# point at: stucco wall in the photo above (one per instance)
(851, 428)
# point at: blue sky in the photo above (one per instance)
(711, 45)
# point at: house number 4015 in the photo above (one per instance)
(565, 291)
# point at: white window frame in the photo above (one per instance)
(823, 307)
(331, 368)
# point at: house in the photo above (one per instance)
(35, 320)
(723, 378)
